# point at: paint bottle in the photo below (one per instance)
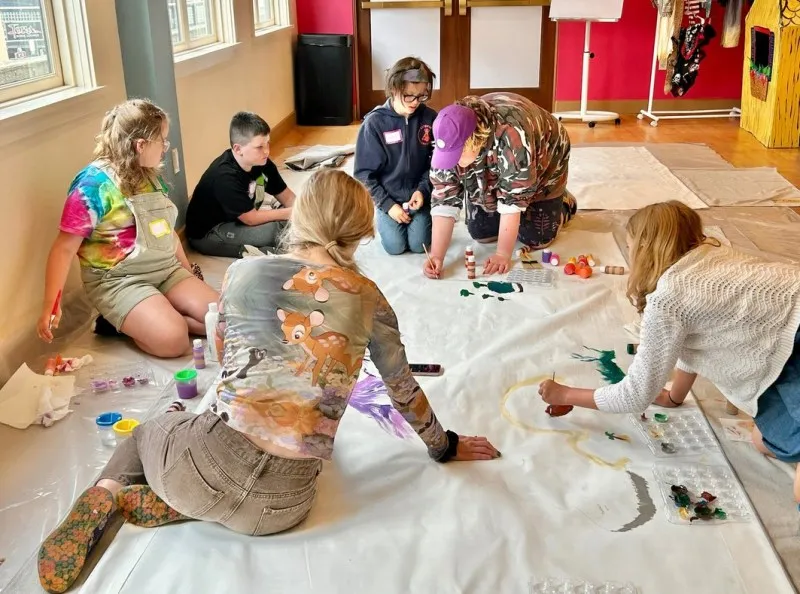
(612, 269)
(590, 260)
(546, 254)
(554, 259)
(198, 354)
(212, 318)
(467, 253)
(471, 267)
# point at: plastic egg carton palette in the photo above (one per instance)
(719, 481)
(536, 276)
(567, 586)
(686, 432)
(116, 378)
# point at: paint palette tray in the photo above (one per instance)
(717, 480)
(117, 378)
(686, 432)
(568, 586)
(539, 277)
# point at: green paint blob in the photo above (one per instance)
(605, 364)
(500, 288)
(465, 293)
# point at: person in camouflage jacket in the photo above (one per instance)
(506, 159)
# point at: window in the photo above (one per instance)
(193, 23)
(30, 57)
(266, 14)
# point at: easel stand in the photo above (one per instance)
(655, 116)
(584, 115)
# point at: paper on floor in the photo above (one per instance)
(623, 178)
(756, 186)
(29, 398)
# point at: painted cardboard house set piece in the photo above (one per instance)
(771, 83)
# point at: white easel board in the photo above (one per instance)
(586, 10)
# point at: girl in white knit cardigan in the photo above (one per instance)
(710, 310)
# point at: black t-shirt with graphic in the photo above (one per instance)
(226, 191)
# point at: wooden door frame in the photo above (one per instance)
(547, 71)
(363, 54)
(451, 37)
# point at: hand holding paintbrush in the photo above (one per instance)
(432, 268)
(49, 320)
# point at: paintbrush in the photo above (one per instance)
(430, 261)
(55, 311)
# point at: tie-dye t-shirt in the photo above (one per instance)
(295, 335)
(96, 210)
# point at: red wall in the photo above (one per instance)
(623, 53)
(325, 16)
(624, 56)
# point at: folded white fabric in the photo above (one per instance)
(319, 156)
(29, 398)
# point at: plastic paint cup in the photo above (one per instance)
(123, 428)
(186, 383)
(105, 428)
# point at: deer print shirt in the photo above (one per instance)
(295, 334)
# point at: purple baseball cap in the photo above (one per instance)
(451, 130)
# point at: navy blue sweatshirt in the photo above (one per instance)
(393, 155)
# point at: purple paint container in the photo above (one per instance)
(186, 383)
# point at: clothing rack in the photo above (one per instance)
(655, 116)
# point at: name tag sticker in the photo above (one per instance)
(393, 136)
(159, 228)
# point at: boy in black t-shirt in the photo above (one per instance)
(241, 199)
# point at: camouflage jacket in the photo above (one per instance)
(526, 160)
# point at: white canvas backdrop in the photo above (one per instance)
(389, 520)
(623, 178)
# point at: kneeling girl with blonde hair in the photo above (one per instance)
(707, 309)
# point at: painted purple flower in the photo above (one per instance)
(366, 397)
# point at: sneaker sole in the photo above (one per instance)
(140, 506)
(63, 553)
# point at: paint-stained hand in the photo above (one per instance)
(417, 200)
(433, 267)
(475, 448)
(497, 263)
(553, 393)
(43, 327)
(399, 215)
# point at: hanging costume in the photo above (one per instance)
(689, 55)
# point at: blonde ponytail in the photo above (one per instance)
(333, 211)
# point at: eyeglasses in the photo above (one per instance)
(166, 145)
(413, 98)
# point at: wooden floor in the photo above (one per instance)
(724, 136)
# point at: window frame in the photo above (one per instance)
(274, 20)
(187, 44)
(58, 43)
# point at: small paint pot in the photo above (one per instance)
(124, 427)
(99, 385)
(105, 428)
(661, 417)
(546, 256)
(186, 383)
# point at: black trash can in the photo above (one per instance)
(323, 80)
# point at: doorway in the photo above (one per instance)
(473, 46)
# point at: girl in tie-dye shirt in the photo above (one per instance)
(96, 210)
(119, 221)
